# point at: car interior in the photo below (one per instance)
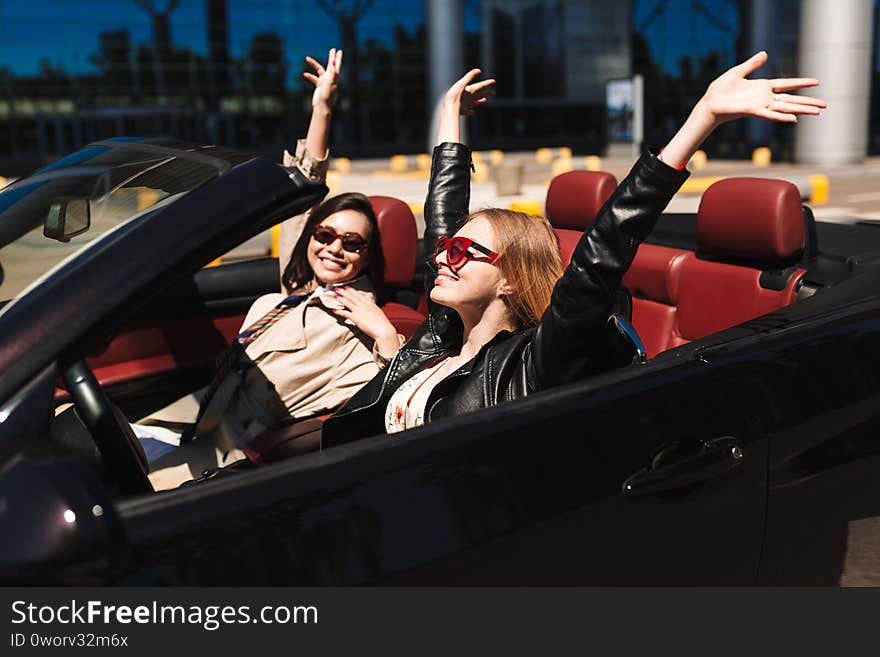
(751, 249)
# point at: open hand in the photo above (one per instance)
(325, 79)
(733, 96)
(362, 310)
(465, 95)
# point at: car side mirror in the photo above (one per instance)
(67, 218)
(58, 523)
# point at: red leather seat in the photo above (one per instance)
(750, 234)
(574, 199)
(653, 280)
(397, 228)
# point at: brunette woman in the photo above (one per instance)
(301, 352)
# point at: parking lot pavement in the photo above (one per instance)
(853, 191)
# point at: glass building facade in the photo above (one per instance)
(229, 71)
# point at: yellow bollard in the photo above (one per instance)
(423, 162)
(481, 171)
(543, 156)
(529, 206)
(496, 157)
(341, 164)
(476, 156)
(593, 163)
(761, 157)
(274, 239)
(146, 197)
(819, 187)
(398, 164)
(698, 184)
(561, 165)
(698, 161)
(332, 182)
(565, 152)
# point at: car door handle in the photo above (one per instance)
(713, 459)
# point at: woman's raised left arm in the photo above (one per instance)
(733, 96)
(572, 339)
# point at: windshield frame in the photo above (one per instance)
(88, 297)
(121, 182)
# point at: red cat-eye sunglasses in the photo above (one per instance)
(460, 249)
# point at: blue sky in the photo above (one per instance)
(66, 32)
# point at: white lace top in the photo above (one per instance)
(406, 408)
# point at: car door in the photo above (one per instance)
(531, 492)
(823, 525)
(168, 347)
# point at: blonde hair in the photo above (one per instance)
(529, 260)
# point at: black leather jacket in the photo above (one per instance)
(572, 339)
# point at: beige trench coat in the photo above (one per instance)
(307, 363)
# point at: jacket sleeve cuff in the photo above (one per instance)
(666, 175)
(382, 360)
(452, 148)
(312, 167)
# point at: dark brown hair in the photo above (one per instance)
(298, 272)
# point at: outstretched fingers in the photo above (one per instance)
(315, 64)
(790, 84)
(331, 59)
(477, 87)
(773, 115)
(752, 64)
(793, 103)
(794, 108)
(801, 100)
(462, 83)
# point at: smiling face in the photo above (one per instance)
(330, 262)
(476, 283)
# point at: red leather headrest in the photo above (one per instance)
(574, 198)
(752, 218)
(655, 273)
(397, 228)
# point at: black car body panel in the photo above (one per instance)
(746, 457)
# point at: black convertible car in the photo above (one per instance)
(739, 452)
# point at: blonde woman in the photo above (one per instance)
(505, 321)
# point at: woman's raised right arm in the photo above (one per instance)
(449, 190)
(311, 156)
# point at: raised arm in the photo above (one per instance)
(733, 96)
(572, 339)
(449, 190)
(326, 86)
(311, 155)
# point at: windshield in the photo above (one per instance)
(61, 209)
